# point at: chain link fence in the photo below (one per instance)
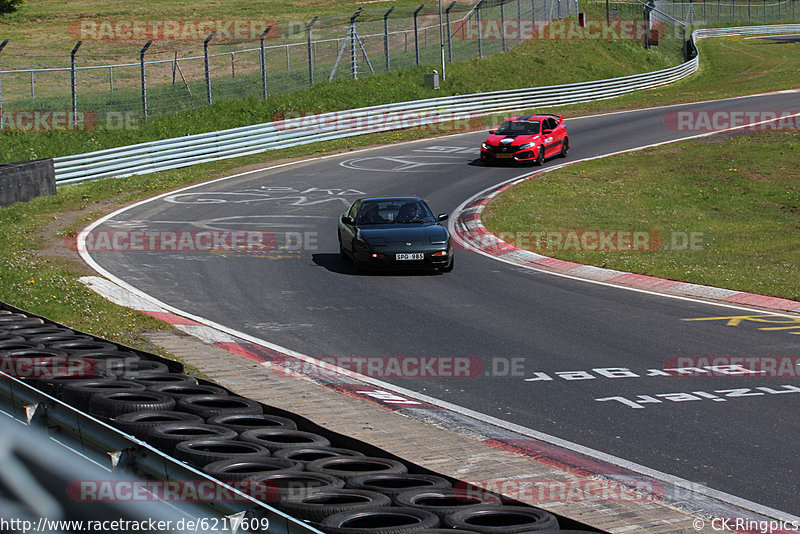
(711, 12)
(113, 76)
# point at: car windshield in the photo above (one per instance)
(395, 212)
(518, 128)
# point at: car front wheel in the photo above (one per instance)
(540, 156)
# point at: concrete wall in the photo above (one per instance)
(22, 181)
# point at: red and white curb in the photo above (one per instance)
(469, 232)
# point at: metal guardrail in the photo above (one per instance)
(44, 473)
(190, 150)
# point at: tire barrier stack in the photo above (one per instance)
(333, 483)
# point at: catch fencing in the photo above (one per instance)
(118, 72)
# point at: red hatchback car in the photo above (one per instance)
(527, 138)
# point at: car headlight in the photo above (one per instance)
(525, 146)
(485, 146)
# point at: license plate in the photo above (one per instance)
(409, 256)
(505, 155)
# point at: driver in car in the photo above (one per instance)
(407, 213)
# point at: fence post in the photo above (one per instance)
(480, 30)
(416, 34)
(205, 61)
(111, 79)
(765, 11)
(264, 64)
(503, 26)
(144, 78)
(386, 36)
(73, 81)
(2, 45)
(449, 35)
(519, 21)
(310, 52)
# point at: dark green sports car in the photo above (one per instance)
(399, 232)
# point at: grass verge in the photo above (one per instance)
(727, 209)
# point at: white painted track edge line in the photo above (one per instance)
(671, 479)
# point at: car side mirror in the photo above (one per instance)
(442, 217)
(547, 131)
(492, 132)
(346, 219)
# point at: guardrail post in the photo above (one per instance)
(2, 45)
(205, 61)
(310, 52)
(264, 63)
(73, 81)
(449, 34)
(416, 34)
(386, 36)
(480, 30)
(144, 78)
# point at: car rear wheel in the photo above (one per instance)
(539, 156)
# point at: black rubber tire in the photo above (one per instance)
(242, 422)
(79, 392)
(114, 403)
(7, 337)
(82, 347)
(131, 365)
(164, 437)
(394, 485)
(282, 438)
(346, 467)
(306, 455)
(41, 331)
(388, 520)
(49, 339)
(318, 504)
(54, 386)
(234, 470)
(137, 423)
(178, 391)
(539, 161)
(12, 316)
(207, 406)
(108, 359)
(20, 323)
(6, 346)
(442, 502)
(205, 451)
(149, 378)
(449, 531)
(502, 519)
(46, 364)
(356, 264)
(275, 487)
(564, 148)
